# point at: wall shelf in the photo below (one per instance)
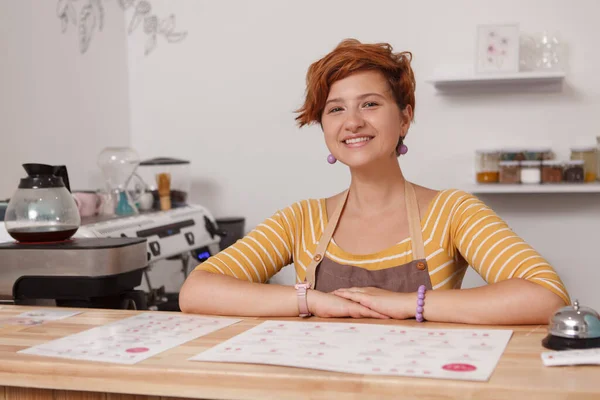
(529, 78)
(499, 188)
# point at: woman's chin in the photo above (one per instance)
(357, 162)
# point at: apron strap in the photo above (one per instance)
(324, 241)
(414, 222)
(414, 227)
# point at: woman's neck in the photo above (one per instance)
(374, 189)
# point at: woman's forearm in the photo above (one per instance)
(509, 302)
(207, 293)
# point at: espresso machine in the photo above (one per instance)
(149, 199)
(187, 234)
(43, 263)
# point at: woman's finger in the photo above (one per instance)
(351, 290)
(350, 295)
(374, 314)
(360, 311)
(361, 298)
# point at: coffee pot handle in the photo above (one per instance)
(61, 170)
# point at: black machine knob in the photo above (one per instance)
(155, 248)
(213, 229)
(189, 237)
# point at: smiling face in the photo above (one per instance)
(361, 120)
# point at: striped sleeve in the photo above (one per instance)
(259, 255)
(497, 253)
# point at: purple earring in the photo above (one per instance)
(402, 149)
(331, 159)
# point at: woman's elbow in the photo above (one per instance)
(188, 295)
(551, 303)
(185, 301)
(556, 302)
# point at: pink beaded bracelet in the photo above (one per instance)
(420, 303)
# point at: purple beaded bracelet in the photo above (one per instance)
(420, 302)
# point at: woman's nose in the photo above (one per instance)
(354, 121)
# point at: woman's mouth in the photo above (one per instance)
(357, 141)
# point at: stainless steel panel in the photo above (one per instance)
(68, 262)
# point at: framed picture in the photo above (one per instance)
(497, 48)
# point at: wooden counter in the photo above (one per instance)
(519, 374)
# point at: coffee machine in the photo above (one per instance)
(99, 260)
(44, 263)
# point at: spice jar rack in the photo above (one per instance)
(534, 170)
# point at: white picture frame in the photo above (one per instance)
(497, 49)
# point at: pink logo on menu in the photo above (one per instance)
(137, 350)
(459, 367)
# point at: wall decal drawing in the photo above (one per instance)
(90, 20)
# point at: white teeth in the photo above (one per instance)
(357, 140)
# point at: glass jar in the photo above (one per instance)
(487, 166)
(574, 172)
(512, 154)
(538, 153)
(552, 171)
(179, 173)
(590, 161)
(510, 172)
(598, 152)
(531, 172)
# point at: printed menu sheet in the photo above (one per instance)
(367, 349)
(37, 317)
(571, 357)
(131, 340)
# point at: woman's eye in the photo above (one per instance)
(370, 104)
(335, 109)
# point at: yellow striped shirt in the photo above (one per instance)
(456, 224)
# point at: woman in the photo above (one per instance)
(384, 248)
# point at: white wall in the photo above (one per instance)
(224, 98)
(57, 105)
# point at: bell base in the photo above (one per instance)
(561, 343)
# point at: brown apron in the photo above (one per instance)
(326, 275)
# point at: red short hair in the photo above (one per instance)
(351, 56)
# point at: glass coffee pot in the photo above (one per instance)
(42, 209)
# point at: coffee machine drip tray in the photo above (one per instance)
(99, 266)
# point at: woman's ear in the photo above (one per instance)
(407, 114)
